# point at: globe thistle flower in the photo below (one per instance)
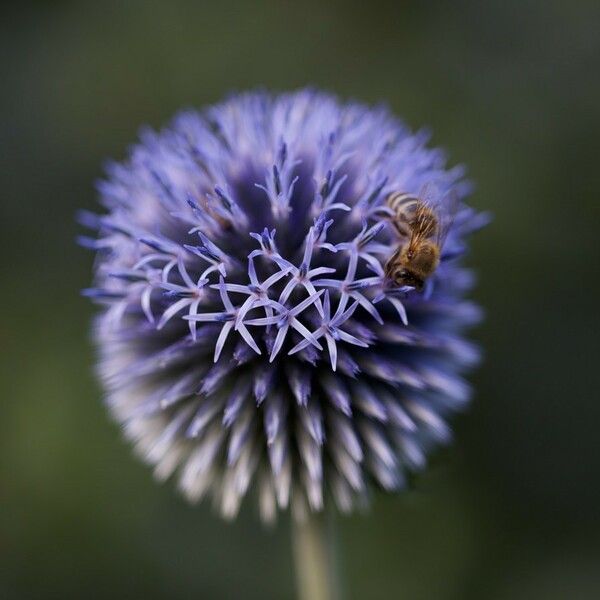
(248, 336)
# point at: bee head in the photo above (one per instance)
(404, 277)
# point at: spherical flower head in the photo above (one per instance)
(249, 336)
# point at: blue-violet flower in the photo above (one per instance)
(248, 337)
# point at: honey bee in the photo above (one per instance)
(422, 222)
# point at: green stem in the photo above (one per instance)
(313, 558)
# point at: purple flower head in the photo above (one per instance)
(248, 336)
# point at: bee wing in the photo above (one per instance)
(430, 195)
(451, 204)
(443, 206)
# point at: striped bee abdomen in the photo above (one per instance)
(404, 205)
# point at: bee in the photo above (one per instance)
(422, 223)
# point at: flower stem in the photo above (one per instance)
(313, 557)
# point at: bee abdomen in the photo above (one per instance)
(404, 206)
(402, 202)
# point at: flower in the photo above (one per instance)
(248, 336)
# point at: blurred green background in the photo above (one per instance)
(512, 89)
